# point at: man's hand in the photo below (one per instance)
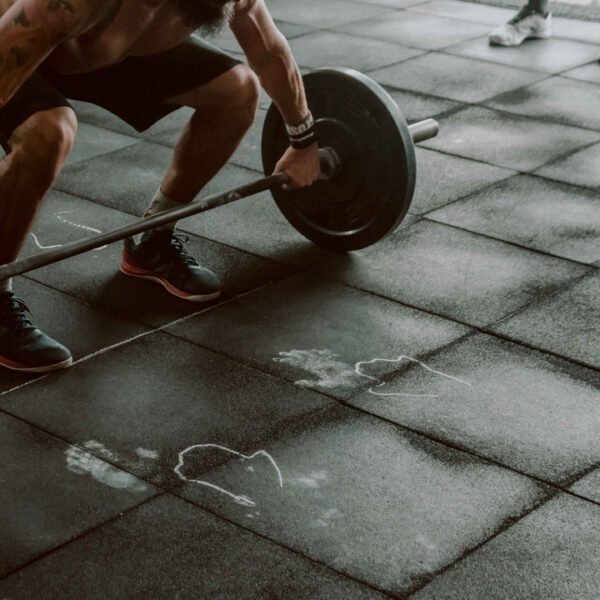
(302, 166)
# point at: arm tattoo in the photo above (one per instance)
(22, 19)
(55, 5)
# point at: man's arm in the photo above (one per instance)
(270, 57)
(31, 29)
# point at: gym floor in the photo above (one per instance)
(420, 418)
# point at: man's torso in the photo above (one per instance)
(128, 28)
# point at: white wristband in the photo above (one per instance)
(301, 128)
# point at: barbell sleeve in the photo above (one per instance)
(424, 130)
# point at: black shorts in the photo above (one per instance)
(136, 89)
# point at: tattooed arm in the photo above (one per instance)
(31, 29)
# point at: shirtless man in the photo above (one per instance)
(138, 59)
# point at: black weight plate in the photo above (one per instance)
(370, 196)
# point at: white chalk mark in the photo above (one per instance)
(358, 366)
(41, 246)
(243, 500)
(128, 341)
(83, 463)
(78, 225)
(149, 454)
(332, 372)
(323, 364)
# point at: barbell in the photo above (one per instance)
(368, 172)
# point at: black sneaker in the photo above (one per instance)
(23, 347)
(160, 257)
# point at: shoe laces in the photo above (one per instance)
(178, 252)
(13, 315)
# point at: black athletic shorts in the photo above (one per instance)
(136, 89)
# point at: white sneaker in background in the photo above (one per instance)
(525, 25)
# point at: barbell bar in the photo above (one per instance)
(343, 174)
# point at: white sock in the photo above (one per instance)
(159, 204)
(6, 285)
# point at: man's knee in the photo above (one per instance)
(235, 93)
(44, 141)
(245, 89)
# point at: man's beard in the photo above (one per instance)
(207, 15)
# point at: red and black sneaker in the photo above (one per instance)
(23, 347)
(160, 257)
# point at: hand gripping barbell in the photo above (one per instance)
(367, 160)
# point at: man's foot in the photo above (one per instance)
(23, 347)
(160, 257)
(526, 24)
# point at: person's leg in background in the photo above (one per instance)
(533, 21)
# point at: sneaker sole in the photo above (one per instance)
(16, 366)
(535, 36)
(141, 274)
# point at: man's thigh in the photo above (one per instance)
(138, 89)
(35, 95)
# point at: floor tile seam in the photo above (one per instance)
(533, 170)
(445, 16)
(319, 563)
(389, 10)
(347, 403)
(447, 50)
(544, 297)
(339, 29)
(529, 346)
(507, 526)
(484, 329)
(555, 487)
(133, 134)
(82, 534)
(541, 118)
(71, 444)
(549, 177)
(564, 75)
(485, 187)
(179, 228)
(107, 311)
(485, 104)
(428, 96)
(562, 157)
(79, 161)
(489, 236)
(504, 527)
(159, 329)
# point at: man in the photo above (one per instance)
(138, 59)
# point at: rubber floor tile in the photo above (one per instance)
(364, 498)
(534, 413)
(452, 272)
(318, 333)
(169, 549)
(551, 553)
(567, 323)
(52, 492)
(163, 395)
(535, 213)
